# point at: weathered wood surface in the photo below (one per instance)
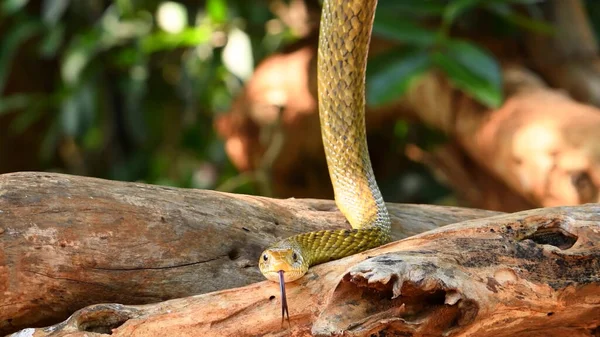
(533, 273)
(68, 241)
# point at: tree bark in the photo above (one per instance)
(69, 241)
(540, 142)
(533, 273)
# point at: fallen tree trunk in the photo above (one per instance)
(67, 242)
(540, 142)
(533, 273)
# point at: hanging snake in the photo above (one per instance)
(344, 37)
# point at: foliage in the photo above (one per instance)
(468, 66)
(148, 75)
(137, 83)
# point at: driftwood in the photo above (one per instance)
(533, 273)
(67, 242)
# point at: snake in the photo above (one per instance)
(344, 36)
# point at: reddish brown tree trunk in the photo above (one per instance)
(68, 241)
(533, 273)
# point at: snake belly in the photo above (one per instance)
(345, 33)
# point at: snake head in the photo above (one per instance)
(283, 264)
(287, 259)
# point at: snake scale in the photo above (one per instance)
(344, 37)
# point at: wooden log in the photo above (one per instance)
(533, 273)
(67, 242)
(540, 142)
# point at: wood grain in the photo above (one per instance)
(533, 273)
(67, 241)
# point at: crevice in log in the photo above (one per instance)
(556, 237)
(188, 264)
(101, 320)
(382, 299)
(233, 254)
(68, 279)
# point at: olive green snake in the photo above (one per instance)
(344, 36)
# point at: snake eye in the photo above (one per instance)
(265, 257)
(295, 256)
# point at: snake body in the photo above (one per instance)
(344, 37)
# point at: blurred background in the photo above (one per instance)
(220, 94)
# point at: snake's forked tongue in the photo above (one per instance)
(284, 306)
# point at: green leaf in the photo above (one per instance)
(24, 120)
(401, 129)
(456, 8)
(389, 75)
(30, 108)
(507, 13)
(476, 60)
(93, 138)
(35, 109)
(53, 39)
(9, 7)
(78, 109)
(78, 55)
(388, 26)
(482, 90)
(53, 10)
(14, 102)
(217, 10)
(125, 7)
(189, 37)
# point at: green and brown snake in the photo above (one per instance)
(344, 37)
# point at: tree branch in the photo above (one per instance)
(533, 273)
(67, 242)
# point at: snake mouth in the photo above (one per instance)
(284, 306)
(290, 275)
